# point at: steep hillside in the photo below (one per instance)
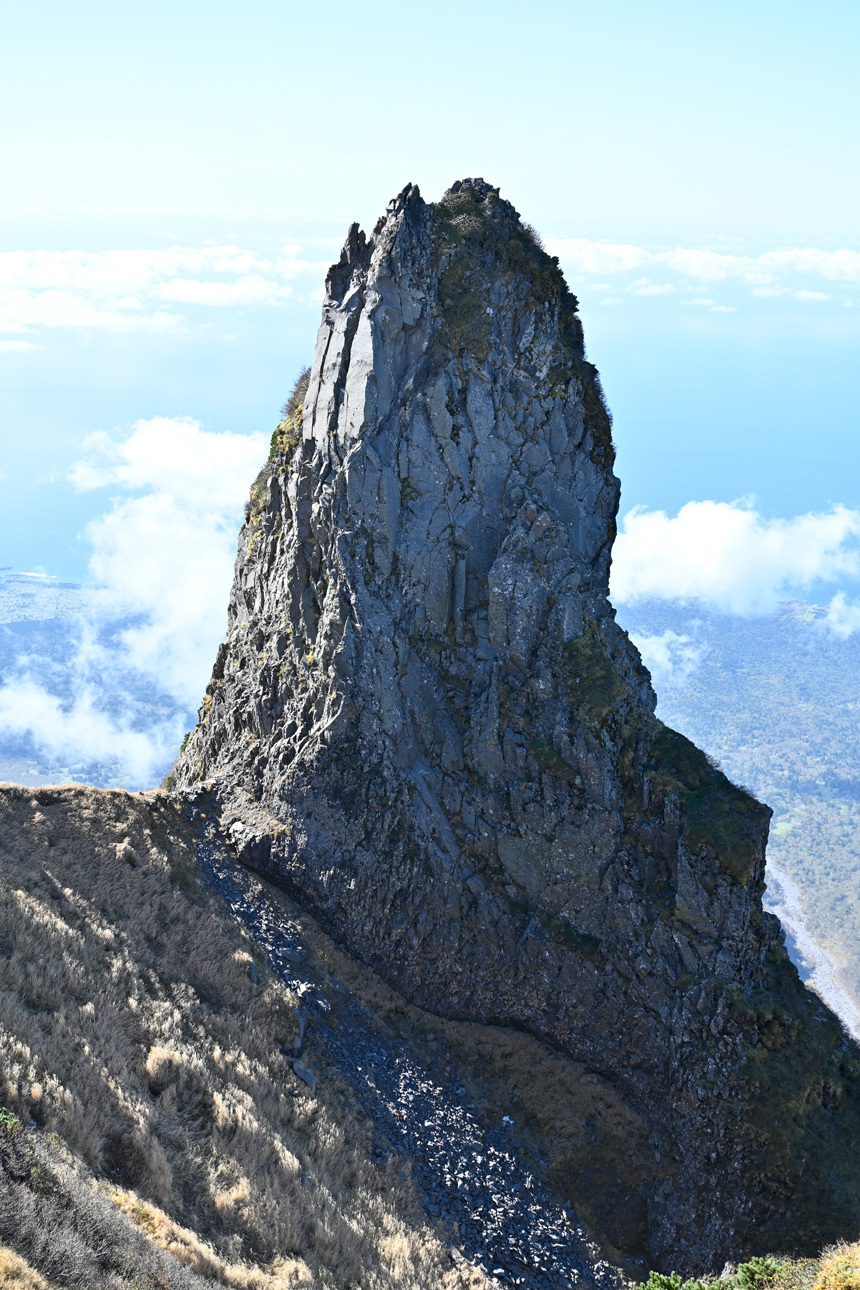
(154, 1130)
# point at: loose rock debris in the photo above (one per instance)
(468, 1174)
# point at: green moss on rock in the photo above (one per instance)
(718, 814)
(805, 1116)
(287, 436)
(592, 680)
(548, 759)
(484, 242)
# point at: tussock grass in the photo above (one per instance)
(135, 1039)
(70, 1232)
(16, 1273)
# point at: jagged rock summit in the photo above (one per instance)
(427, 723)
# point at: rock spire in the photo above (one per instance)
(428, 725)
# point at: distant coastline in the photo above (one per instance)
(48, 580)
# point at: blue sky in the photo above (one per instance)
(667, 120)
(718, 128)
(175, 178)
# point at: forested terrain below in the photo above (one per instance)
(776, 700)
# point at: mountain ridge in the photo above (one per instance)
(501, 998)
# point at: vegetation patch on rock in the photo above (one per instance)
(719, 815)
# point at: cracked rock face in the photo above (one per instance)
(428, 725)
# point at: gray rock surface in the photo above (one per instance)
(427, 724)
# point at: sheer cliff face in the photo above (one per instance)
(424, 682)
(426, 721)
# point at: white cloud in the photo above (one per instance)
(163, 555)
(138, 289)
(704, 302)
(645, 287)
(27, 311)
(705, 265)
(16, 346)
(81, 733)
(200, 470)
(598, 257)
(670, 658)
(169, 553)
(770, 273)
(727, 556)
(843, 616)
(250, 290)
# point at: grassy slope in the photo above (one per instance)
(173, 1142)
(16, 1273)
(131, 1028)
(135, 1039)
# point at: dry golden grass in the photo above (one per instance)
(15, 1274)
(189, 1248)
(131, 1028)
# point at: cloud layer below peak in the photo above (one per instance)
(143, 289)
(728, 557)
(125, 290)
(162, 554)
(792, 272)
